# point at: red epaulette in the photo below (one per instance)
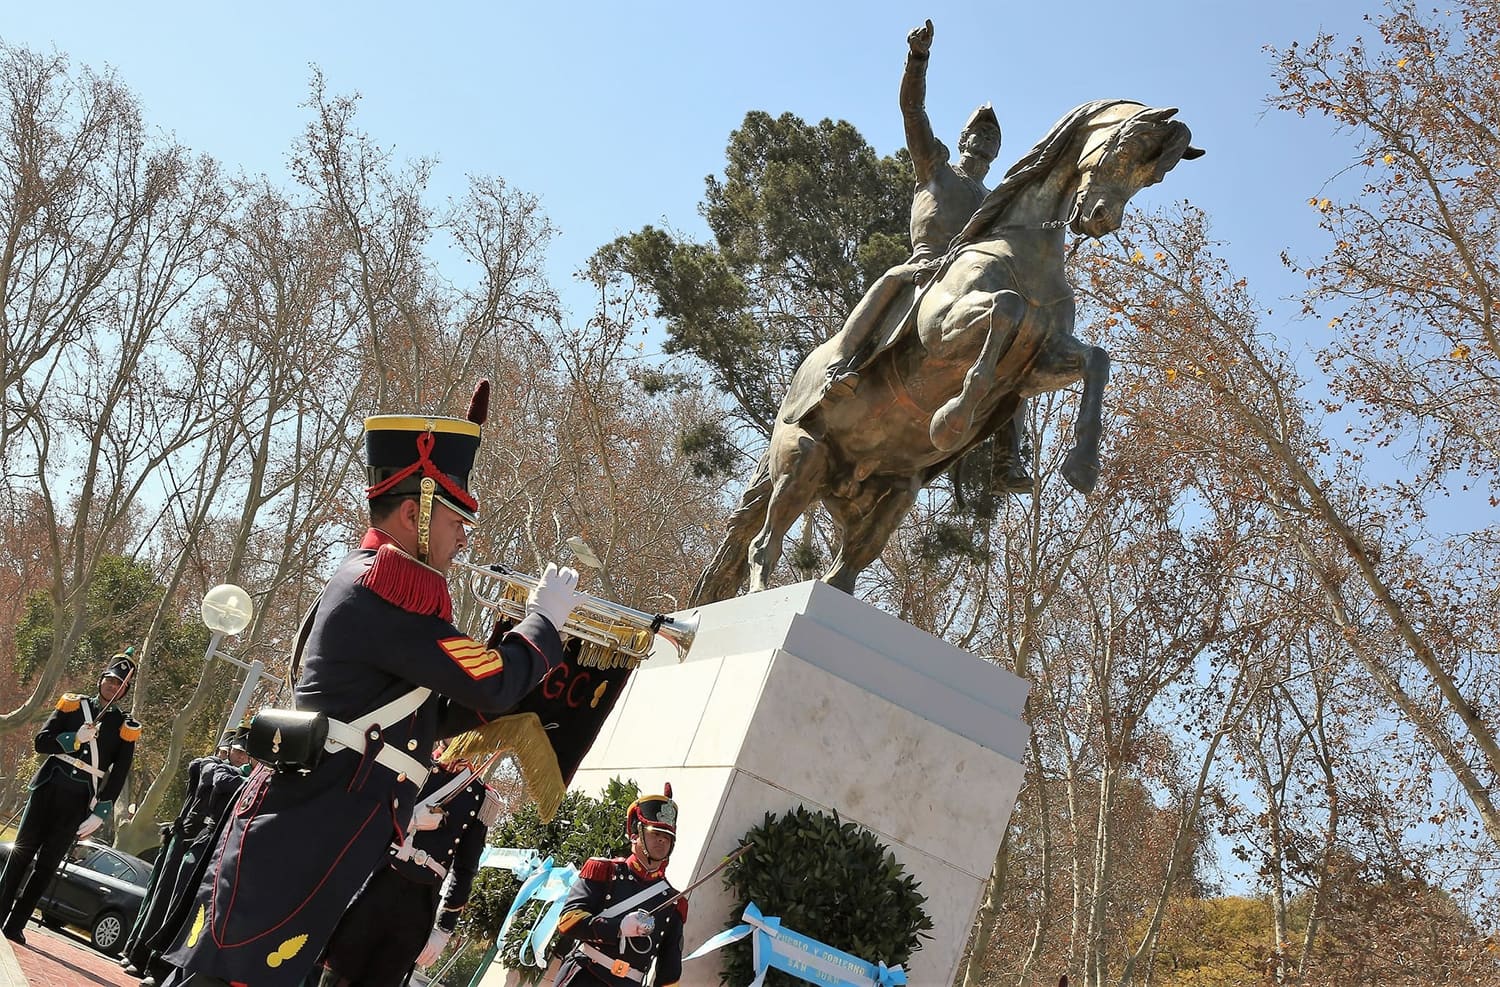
(598, 869)
(400, 579)
(682, 908)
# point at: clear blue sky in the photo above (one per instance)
(613, 113)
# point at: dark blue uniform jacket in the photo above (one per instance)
(299, 844)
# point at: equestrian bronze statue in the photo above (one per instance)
(949, 363)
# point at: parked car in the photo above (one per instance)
(98, 888)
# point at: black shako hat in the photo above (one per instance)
(653, 812)
(121, 667)
(430, 457)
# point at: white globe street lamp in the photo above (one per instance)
(227, 610)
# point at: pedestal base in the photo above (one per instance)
(805, 695)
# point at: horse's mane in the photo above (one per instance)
(1032, 167)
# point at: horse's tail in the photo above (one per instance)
(730, 566)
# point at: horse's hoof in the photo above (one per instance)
(1081, 472)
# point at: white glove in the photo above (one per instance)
(86, 733)
(637, 923)
(434, 948)
(87, 827)
(431, 817)
(555, 595)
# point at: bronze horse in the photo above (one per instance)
(994, 325)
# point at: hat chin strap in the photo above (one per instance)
(124, 686)
(424, 517)
(649, 862)
(644, 855)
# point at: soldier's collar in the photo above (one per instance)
(374, 538)
(378, 538)
(400, 578)
(640, 870)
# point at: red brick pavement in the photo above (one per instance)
(65, 959)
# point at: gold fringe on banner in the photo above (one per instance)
(520, 734)
(593, 655)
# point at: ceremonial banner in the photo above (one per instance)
(554, 726)
(775, 946)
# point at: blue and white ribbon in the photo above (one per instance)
(519, 862)
(529, 885)
(554, 889)
(541, 880)
(774, 946)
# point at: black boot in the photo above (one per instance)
(1010, 476)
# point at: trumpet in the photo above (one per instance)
(619, 635)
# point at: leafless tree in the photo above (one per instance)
(110, 238)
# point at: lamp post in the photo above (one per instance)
(227, 610)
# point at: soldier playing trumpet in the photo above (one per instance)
(385, 673)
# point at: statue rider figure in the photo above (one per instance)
(946, 197)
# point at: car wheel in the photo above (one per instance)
(108, 933)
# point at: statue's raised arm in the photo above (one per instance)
(927, 152)
(944, 197)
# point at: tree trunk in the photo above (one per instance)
(988, 910)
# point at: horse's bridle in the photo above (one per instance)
(1051, 224)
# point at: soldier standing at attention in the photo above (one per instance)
(174, 839)
(175, 836)
(384, 674)
(614, 915)
(90, 743)
(218, 787)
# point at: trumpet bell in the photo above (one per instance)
(681, 631)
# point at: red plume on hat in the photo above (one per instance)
(479, 404)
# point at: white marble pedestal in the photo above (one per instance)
(803, 694)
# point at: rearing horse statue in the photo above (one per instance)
(994, 325)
